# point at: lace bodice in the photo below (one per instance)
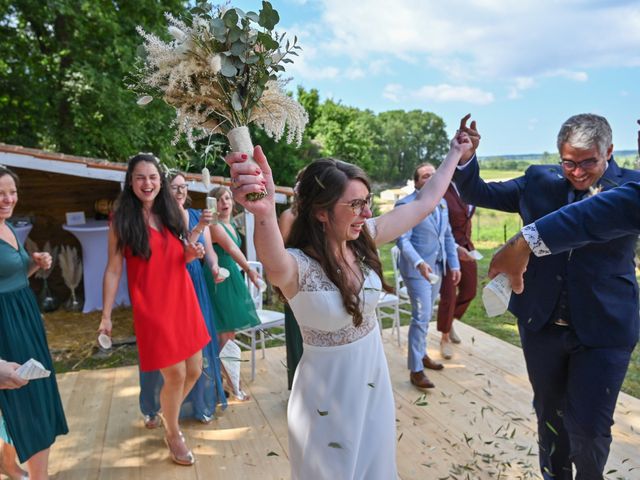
(318, 305)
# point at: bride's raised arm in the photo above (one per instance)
(394, 223)
(279, 266)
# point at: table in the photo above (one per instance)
(93, 237)
(22, 230)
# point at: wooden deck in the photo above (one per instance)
(477, 423)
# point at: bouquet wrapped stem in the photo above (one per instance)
(240, 141)
(221, 72)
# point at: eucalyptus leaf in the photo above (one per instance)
(253, 16)
(230, 18)
(228, 70)
(238, 49)
(236, 103)
(235, 34)
(268, 17)
(251, 59)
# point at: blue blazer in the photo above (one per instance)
(430, 239)
(602, 288)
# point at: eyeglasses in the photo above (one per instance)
(357, 205)
(179, 188)
(587, 164)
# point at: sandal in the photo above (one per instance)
(186, 459)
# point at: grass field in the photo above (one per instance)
(491, 175)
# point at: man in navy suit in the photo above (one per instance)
(425, 250)
(578, 312)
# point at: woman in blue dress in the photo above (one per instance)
(33, 413)
(201, 402)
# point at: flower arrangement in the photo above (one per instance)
(71, 267)
(221, 72)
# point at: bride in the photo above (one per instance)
(341, 413)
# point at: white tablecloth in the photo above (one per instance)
(93, 237)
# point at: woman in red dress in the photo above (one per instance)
(147, 230)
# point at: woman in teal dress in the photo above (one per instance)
(207, 393)
(33, 413)
(234, 309)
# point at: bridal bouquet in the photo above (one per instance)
(221, 72)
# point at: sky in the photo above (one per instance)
(520, 67)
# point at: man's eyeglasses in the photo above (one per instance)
(357, 205)
(587, 164)
(179, 188)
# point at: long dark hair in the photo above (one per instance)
(128, 221)
(320, 186)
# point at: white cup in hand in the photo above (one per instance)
(104, 341)
(496, 295)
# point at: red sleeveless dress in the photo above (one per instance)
(167, 319)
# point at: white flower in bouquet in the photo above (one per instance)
(222, 72)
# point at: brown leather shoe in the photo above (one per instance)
(420, 380)
(431, 364)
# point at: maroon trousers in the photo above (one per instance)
(454, 300)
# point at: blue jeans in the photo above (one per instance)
(423, 296)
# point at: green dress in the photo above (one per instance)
(232, 303)
(33, 413)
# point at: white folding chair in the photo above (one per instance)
(268, 319)
(389, 300)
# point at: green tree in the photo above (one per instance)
(408, 139)
(62, 70)
(345, 133)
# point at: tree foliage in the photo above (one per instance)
(62, 70)
(63, 66)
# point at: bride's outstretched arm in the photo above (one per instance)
(394, 223)
(279, 266)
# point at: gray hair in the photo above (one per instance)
(585, 131)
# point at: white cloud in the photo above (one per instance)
(354, 73)
(393, 92)
(570, 75)
(520, 84)
(438, 93)
(488, 39)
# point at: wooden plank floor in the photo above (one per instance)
(477, 423)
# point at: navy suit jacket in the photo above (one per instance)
(602, 288)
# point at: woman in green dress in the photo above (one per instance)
(232, 303)
(33, 413)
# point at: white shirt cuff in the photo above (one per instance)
(415, 265)
(462, 167)
(533, 238)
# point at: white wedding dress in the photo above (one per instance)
(341, 413)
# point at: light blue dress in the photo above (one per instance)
(201, 402)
